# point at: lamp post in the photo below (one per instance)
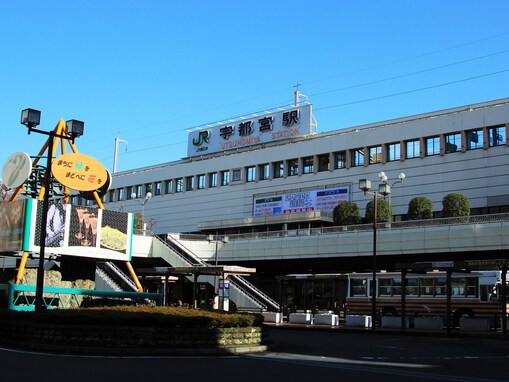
(143, 202)
(383, 190)
(31, 118)
(383, 179)
(224, 240)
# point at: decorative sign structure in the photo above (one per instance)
(304, 201)
(253, 130)
(71, 230)
(16, 170)
(79, 172)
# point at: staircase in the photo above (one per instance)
(244, 294)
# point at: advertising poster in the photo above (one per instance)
(82, 231)
(12, 219)
(305, 201)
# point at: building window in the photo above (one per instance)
(129, 193)
(323, 162)
(413, 149)
(393, 152)
(308, 165)
(293, 167)
(111, 196)
(496, 136)
(264, 171)
(157, 188)
(475, 139)
(358, 157)
(375, 154)
(432, 146)
(148, 188)
(190, 183)
(179, 185)
(340, 159)
(213, 179)
(168, 186)
(236, 175)
(225, 178)
(279, 169)
(250, 174)
(452, 143)
(201, 181)
(120, 194)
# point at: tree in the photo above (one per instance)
(420, 208)
(384, 211)
(455, 205)
(347, 213)
(138, 220)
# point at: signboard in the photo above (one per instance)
(304, 201)
(12, 220)
(16, 170)
(79, 172)
(81, 231)
(250, 131)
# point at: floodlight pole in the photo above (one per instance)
(40, 306)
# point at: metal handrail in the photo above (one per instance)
(409, 224)
(257, 291)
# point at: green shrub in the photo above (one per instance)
(157, 316)
(347, 213)
(420, 208)
(384, 211)
(455, 205)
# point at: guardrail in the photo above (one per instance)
(21, 297)
(410, 224)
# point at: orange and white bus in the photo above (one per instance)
(474, 294)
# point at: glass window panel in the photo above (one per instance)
(375, 154)
(475, 139)
(413, 149)
(393, 152)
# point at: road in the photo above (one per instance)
(299, 355)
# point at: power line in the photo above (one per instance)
(413, 91)
(409, 74)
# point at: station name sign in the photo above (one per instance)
(250, 131)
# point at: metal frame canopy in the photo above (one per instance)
(196, 271)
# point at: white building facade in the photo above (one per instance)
(248, 176)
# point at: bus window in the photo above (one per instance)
(411, 287)
(426, 286)
(440, 286)
(396, 286)
(385, 287)
(471, 286)
(358, 287)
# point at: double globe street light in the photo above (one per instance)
(384, 189)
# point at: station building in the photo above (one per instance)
(275, 173)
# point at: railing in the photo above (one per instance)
(239, 280)
(477, 219)
(112, 270)
(252, 292)
(22, 297)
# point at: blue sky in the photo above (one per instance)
(148, 70)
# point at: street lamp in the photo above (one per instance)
(32, 118)
(384, 179)
(147, 198)
(224, 240)
(383, 190)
